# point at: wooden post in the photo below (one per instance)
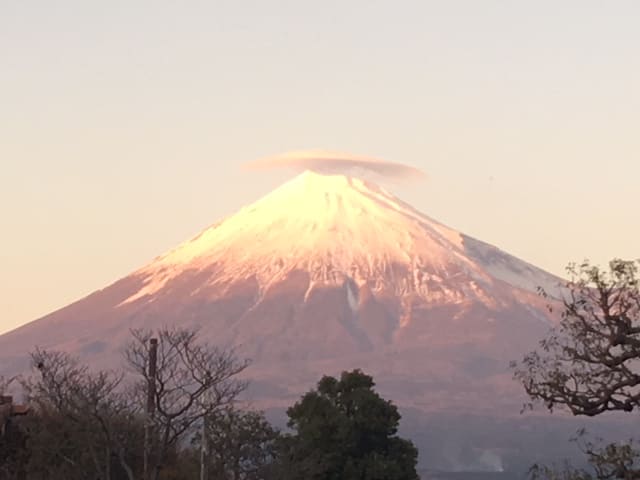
(150, 408)
(204, 451)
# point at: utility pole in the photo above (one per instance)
(204, 451)
(150, 408)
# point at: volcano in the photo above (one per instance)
(326, 273)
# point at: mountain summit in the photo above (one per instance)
(337, 229)
(325, 273)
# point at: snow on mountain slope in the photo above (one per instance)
(511, 270)
(326, 272)
(336, 227)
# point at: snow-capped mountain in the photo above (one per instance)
(326, 273)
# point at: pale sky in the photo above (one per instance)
(123, 124)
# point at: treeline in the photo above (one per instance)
(182, 419)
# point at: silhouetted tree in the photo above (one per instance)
(590, 364)
(193, 380)
(13, 451)
(82, 421)
(344, 430)
(240, 444)
(89, 424)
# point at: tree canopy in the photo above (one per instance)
(344, 430)
(86, 423)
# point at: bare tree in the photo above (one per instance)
(192, 380)
(590, 364)
(91, 411)
(5, 406)
(5, 383)
(610, 462)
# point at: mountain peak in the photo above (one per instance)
(311, 183)
(335, 229)
(320, 224)
(323, 272)
(327, 178)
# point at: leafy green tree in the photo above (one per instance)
(344, 430)
(590, 363)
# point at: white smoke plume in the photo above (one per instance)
(337, 163)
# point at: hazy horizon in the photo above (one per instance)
(124, 127)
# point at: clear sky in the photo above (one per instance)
(123, 123)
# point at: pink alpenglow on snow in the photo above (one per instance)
(326, 273)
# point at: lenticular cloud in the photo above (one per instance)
(332, 162)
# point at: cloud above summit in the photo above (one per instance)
(337, 163)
